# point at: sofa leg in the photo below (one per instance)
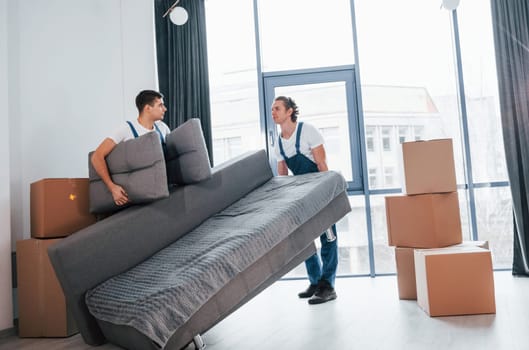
(199, 343)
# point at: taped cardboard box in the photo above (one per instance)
(59, 207)
(42, 310)
(423, 221)
(428, 167)
(405, 264)
(455, 281)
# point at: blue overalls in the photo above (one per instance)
(135, 133)
(300, 164)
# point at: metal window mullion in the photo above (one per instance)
(260, 79)
(363, 151)
(464, 126)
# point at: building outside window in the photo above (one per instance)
(408, 89)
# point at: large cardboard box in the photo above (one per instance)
(405, 263)
(405, 273)
(42, 310)
(455, 281)
(59, 207)
(423, 221)
(428, 167)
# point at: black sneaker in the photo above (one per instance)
(324, 293)
(309, 291)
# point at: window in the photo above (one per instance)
(403, 134)
(370, 138)
(409, 92)
(389, 176)
(386, 138)
(232, 78)
(373, 177)
(227, 148)
(418, 132)
(305, 29)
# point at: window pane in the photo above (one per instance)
(495, 223)
(352, 239)
(232, 78)
(324, 105)
(481, 92)
(463, 211)
(384, 254)
(370, 138)
(299, 34)
(408, 76)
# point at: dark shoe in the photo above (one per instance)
(309, 291)
(324, 293)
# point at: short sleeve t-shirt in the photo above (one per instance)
(124, 133)
(310, 138)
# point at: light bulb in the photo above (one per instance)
(179, 16)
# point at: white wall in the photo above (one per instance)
(75, 69)
(6, 307)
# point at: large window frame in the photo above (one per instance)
(372, 142)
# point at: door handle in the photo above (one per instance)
(271, 137)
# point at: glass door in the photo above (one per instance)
(326, 99)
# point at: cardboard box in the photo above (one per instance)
(42, 310)
(405, 264)
(405, 273)
(428, 167)
(423, 221)
(59, 207)
(455, 281)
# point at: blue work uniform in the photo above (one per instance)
(326, 269)
(135, 133)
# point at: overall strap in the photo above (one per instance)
(132, 128)
(281, 150)
(298, 137)
(159, 133)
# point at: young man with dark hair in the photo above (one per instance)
(151, 110)
(300, 149)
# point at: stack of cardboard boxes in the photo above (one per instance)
(446, 275)
(59, 207)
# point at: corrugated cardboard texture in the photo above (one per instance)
(405, 264)
(41, 302)
(428, 167)
(59, 207)
(455, 281)
(423, 221)
(405, 273)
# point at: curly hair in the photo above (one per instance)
(289, 103)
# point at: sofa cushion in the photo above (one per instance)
(138, 165)
(187, 156)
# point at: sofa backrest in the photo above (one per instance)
(123, 240)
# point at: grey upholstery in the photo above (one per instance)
(113, 245)
(138, 165)
(188, 272)
(187, 155)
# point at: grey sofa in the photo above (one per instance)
(141, 278)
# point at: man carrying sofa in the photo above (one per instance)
(151, 111)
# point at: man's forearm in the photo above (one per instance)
(101, 168)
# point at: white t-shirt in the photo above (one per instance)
(124, 133)
(310, 138)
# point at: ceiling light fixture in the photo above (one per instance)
(177, 14)
(450, 5)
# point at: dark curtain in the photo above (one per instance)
(183, 66)
(511, 38)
